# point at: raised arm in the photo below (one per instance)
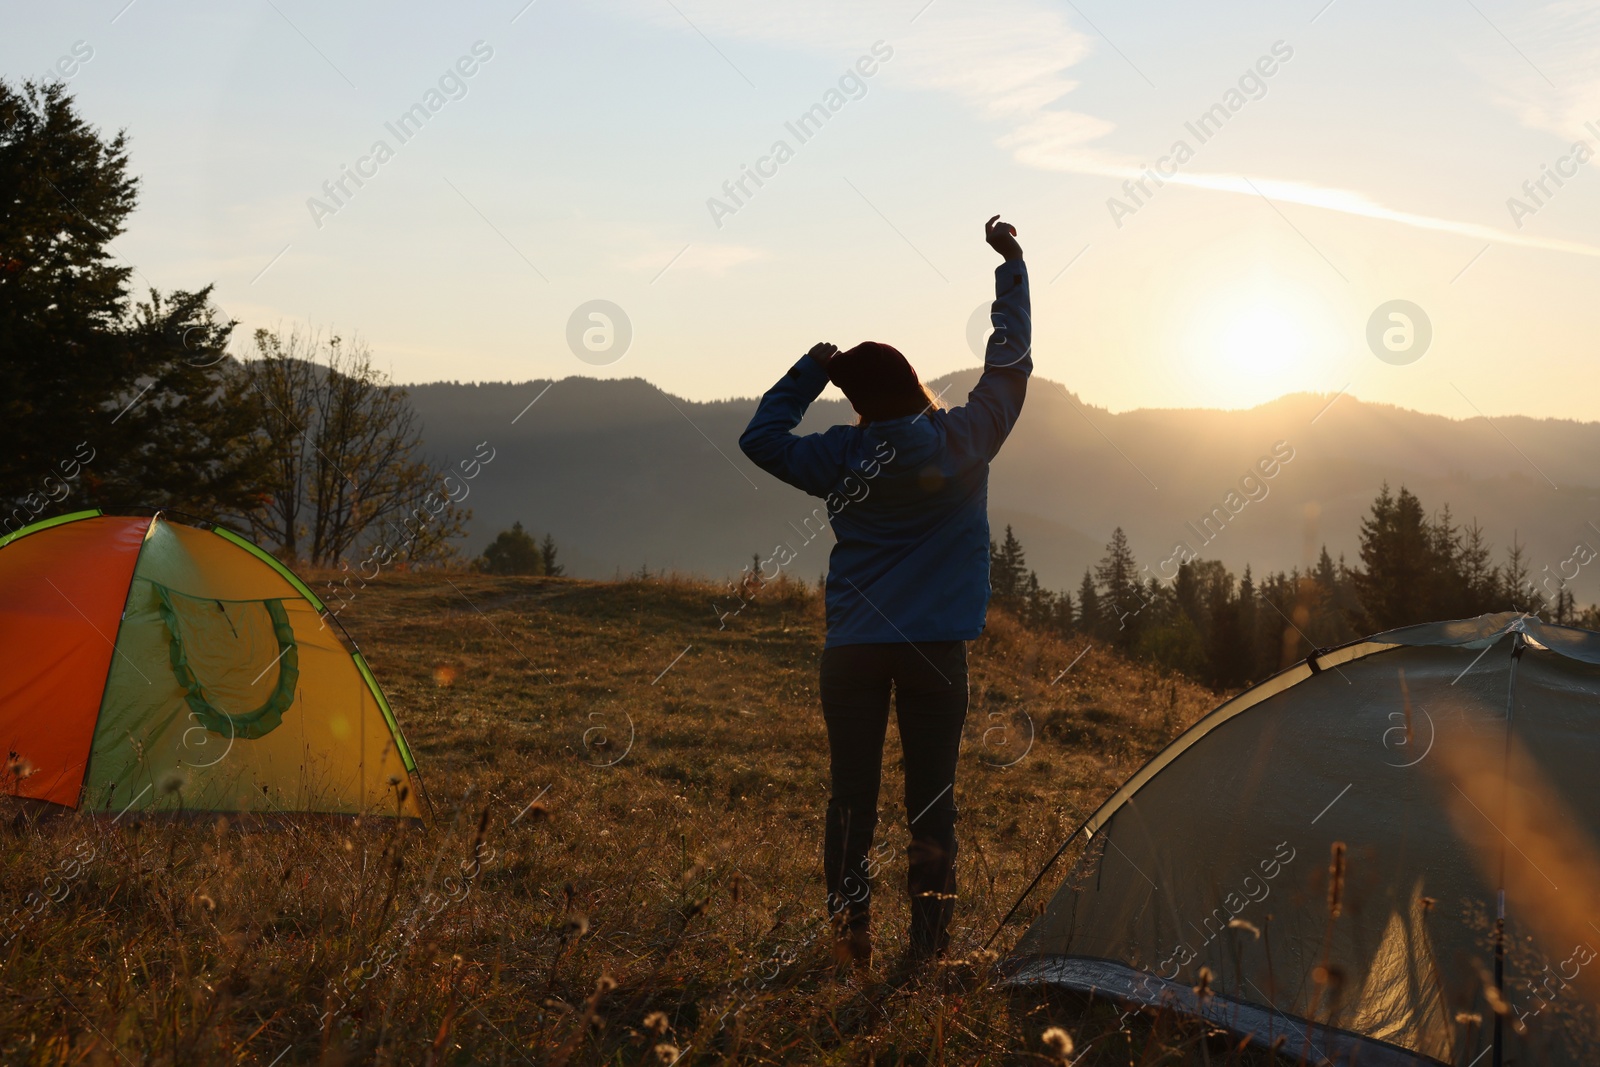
(980, 427)
(810, 463)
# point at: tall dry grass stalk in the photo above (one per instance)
(1523, 836)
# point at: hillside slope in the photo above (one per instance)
(644, 791)
(661, 744)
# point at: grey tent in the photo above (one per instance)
(1326, 858)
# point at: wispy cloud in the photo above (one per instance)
(1328, 198)
(1348, 202)
(1010, 62)
(1562, 44)
(1006, 60)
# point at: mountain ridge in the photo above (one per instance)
(625, 475)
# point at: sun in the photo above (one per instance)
(1261, 340)
(1245, 346)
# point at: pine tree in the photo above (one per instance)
(1566, 610)
(1064, 618)
(190, 442)
(513, 551)
(1480, 578)
(1090, 624)
(547, 553)
(1117, 571)
(1325, 574)
(1419, 570)
(104, 400)
(1117, 575)
(1228, 651)
(1516, 587)
(1039, 609)
(1255, 662)
(1400, 552)
(62, 294)
(1443, 595)
(1008, 571)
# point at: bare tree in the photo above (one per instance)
(344, 448)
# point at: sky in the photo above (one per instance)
(1356, 154)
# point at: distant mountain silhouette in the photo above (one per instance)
(625, 475)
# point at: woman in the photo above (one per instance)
(908, 585)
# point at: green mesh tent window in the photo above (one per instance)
(236, 660)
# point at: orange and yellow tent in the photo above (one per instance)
(151, 665)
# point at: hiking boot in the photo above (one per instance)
(852, 947)
(910, 970)
(930, 926)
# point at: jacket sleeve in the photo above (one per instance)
(810, 463)
(977, 429)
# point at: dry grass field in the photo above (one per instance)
(624, 867)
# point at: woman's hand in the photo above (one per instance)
(822, 352)
(1002, 237)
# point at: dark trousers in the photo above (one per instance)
(929, 681)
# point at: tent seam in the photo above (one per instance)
(105, 685)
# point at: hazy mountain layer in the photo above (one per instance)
(625, 475)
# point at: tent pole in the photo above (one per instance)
(1051, 862)
(1517, 645)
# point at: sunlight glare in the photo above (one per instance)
(1261, 339)
(1256, 344)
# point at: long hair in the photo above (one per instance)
(880, 383)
